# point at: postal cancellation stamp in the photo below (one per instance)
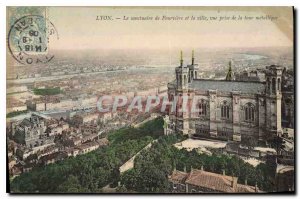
(29, 36)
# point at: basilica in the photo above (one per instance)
(231, 110)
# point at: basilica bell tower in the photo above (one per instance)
(273, 101)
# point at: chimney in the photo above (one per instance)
(246, 181)
(202, 168)
(224, 172)
(184, 168)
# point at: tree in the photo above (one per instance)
(71, 185)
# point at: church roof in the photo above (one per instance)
(228, 86)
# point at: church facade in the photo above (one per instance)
(228, 110)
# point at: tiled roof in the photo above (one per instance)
(210, 180)
(178, 176)
(90, 136)
(245, 188)
(228, 86)
(88, 145)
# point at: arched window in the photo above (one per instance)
(273, 85)
(179, 110)
(225, 110)
(249, 111)
(202, 108)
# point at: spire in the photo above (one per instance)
(229, 76)
(181, 60)
(193, 58)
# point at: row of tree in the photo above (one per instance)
(47, 91)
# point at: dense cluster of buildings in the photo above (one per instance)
(41, 140)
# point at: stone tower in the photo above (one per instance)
(181, 74)
(273, 101)
(181, 91)
(193, 69)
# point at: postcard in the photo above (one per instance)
(177, 100)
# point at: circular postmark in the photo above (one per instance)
(29, 38)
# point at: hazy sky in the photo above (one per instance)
(79, 29)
